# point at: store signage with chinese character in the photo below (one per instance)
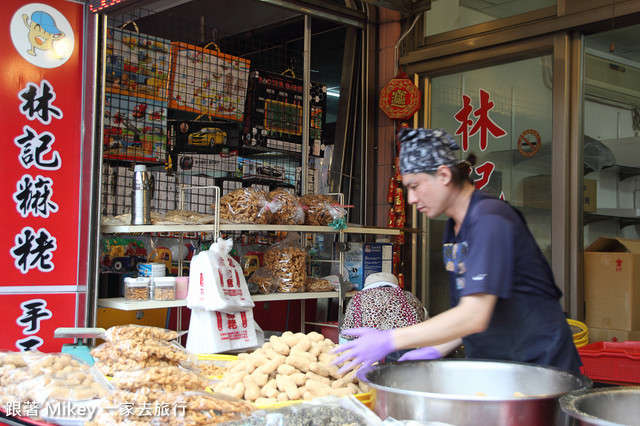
(31, 320)
(400, 99)
(42, 95)
(483, 126)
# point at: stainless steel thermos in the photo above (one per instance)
(141, 196)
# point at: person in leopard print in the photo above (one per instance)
(382, 305)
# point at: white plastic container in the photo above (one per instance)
(164, 288)
(136, 288)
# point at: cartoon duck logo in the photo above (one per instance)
(42, 33)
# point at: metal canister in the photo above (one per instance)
(141, 196)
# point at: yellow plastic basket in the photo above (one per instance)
(220, 360)
(580, 333)
(217, 357)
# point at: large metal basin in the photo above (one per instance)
(603, 406)
(471, 392)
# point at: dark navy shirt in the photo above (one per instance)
(495, 253)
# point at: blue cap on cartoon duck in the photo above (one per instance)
(46, 22)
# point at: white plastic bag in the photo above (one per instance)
(215, 332)
(216, 281)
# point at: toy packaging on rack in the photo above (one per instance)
(208, 82)
(274, 113)
(137, 64)
(204, 136)
(135, 129)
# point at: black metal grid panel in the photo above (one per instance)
(224, 110)
(117, 181)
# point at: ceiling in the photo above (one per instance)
(621, 44)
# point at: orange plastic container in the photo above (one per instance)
(612, 362)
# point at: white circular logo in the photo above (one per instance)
(42, 35)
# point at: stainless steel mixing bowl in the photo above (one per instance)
(471, 392)
(603, 406)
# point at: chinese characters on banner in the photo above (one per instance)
(484, 126)
(41, 90)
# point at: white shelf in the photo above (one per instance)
(246, 227)
(138, 229)
(136, 305)
(624, 213)
(295, 296)
(371, 230)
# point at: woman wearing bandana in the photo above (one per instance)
(504, 299)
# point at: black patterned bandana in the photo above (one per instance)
(423, 150)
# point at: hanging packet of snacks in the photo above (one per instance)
(216, 281)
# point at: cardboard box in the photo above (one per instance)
(608, 335)
(590, 195)
(611, 284)
(535, 192)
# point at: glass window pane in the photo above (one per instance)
(506, 113)
(508, 116)
(449, 15)
(611, 134)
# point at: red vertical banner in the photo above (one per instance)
(41, 93)
(30, 320)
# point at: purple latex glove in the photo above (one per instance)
(428, 352)
(370, 346)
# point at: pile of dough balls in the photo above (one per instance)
(290, 367)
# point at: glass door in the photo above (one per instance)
(502, 114)
(612, 134)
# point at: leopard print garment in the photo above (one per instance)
(382, 308)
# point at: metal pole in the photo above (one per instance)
(306, 105)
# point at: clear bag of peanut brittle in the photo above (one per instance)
(60, 377)
(265, 280)
(286, 207)
(170, 378)
(191, 408)
(138, 332)
(321, 210)
(202, 408)
(246, 205)
(288, 262)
